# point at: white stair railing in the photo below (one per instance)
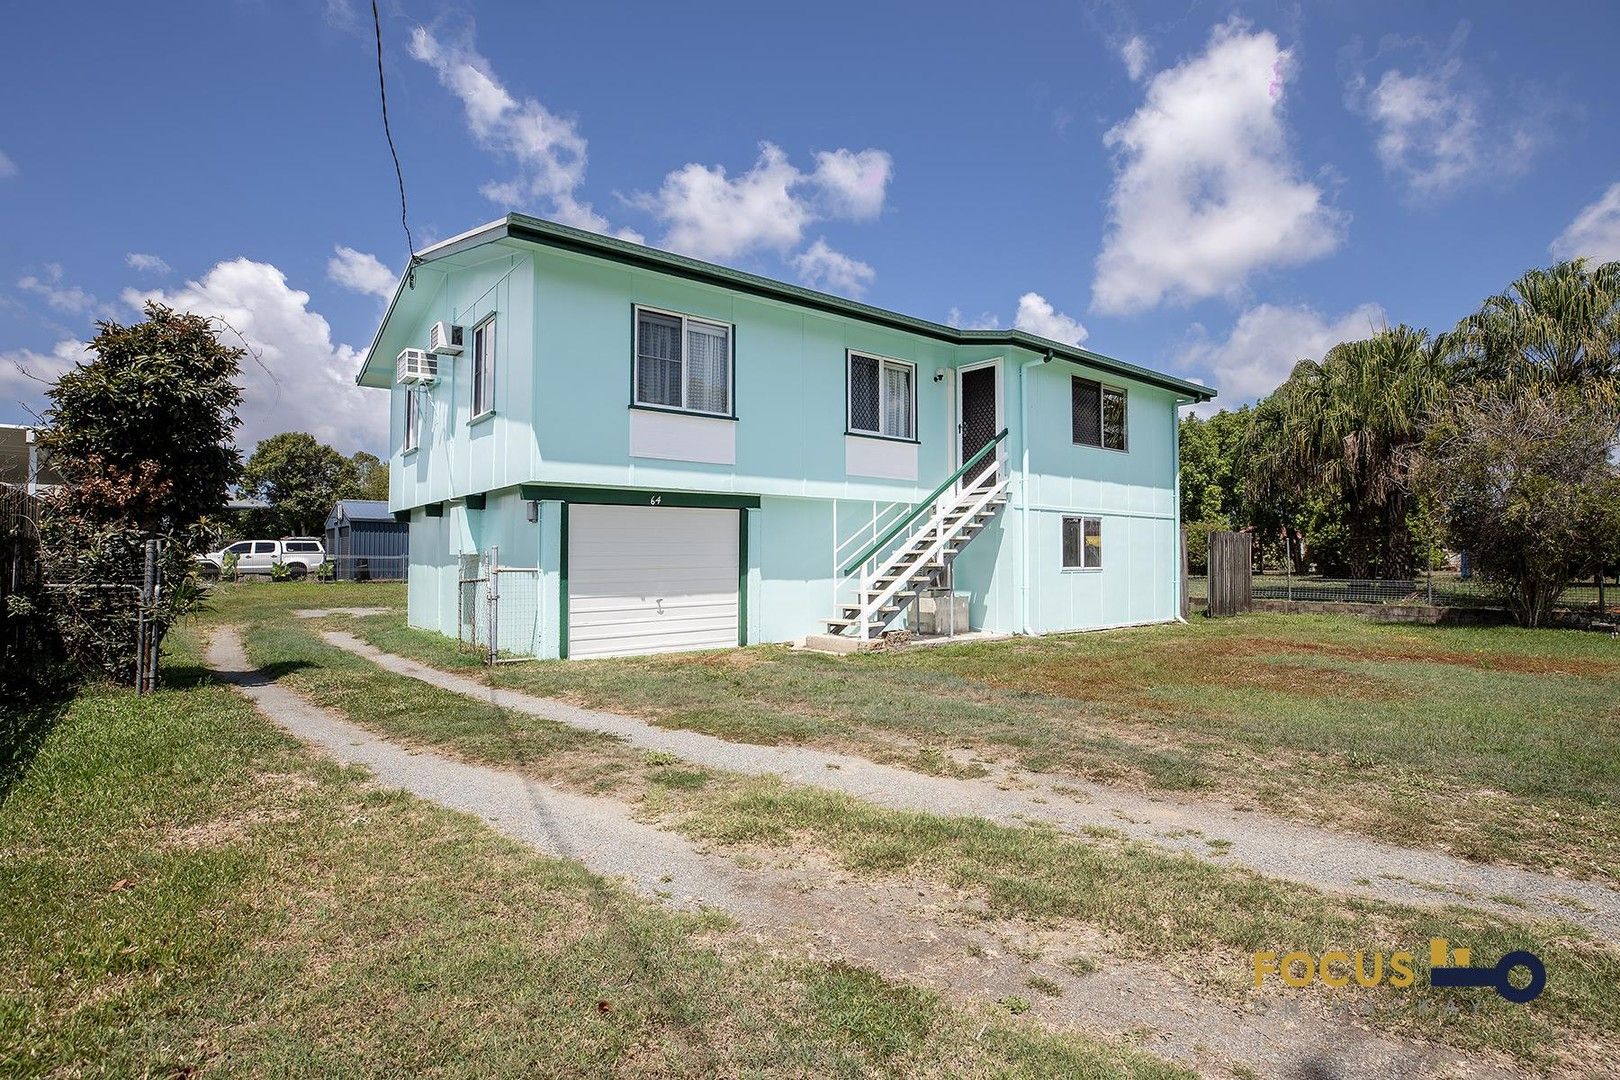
(921, 554)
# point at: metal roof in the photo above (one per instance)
(522, 228)
(361, 510)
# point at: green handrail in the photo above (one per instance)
(916, 511)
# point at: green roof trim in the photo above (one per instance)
(566, 238)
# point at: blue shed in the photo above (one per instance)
(365, 542)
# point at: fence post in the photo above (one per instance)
(143, 622)
(1185, 603)
(1288, 560)
(492, 593)
(1431, 571)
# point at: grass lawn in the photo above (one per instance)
(1496, 744)
(184, 890)
(1201, 918)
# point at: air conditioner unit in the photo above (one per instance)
(416, 367)
(445, 339)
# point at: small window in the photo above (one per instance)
(682, 363)
(413, 420)
(1099, 414)
(483, 368)
(882, 397)
(1082, 543)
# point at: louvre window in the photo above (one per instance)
(483, 368)
(882, 397)
(1098, 414)
(1082, 543)
(682, 363)
(413, 420)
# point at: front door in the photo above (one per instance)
(978, 408)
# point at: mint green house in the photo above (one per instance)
(658, 454)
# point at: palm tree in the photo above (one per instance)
(1558, 326)
(1351, 424)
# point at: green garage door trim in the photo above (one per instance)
(595, 496)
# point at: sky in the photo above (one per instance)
(1213, 190)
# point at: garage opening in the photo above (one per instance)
(651, 579)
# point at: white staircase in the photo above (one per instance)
(887, 584)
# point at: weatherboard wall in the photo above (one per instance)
(564, 338)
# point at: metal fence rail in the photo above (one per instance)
(1441, 589)
(367, 567)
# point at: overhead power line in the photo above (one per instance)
(399, 174)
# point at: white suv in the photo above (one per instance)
(301, 555)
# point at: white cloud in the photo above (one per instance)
(548, 149)
(1428, 130)
(8, 168)
(146, 264)
(984, 320)
(715, 217)
(59, 294)
(1136, 55)
(25, 374)
(1267, 341)
(824, 268)
(711, 215)
(360, 271)
(1206, 192)
(1437, 126)
(1595, 232)
(303, 380)
(1037, 316)
(853, 183)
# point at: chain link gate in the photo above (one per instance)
(499, 608)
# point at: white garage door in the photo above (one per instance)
(645, 579)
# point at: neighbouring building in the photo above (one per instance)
(22, 463)
(366, 542)
(686, 456)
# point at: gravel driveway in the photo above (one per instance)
(907, 931)
(1343, 862)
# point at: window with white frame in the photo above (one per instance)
(882, 397)
(682, 363)
(483, 368)
(413, 420)
(1098, 414)
(1082, 543)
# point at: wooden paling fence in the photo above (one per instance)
(1231, 573)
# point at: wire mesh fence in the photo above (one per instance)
(1441, 589)
(366, 568)
(499, 608)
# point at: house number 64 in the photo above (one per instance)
(656, 499)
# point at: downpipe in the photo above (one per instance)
(1023, 489)
(1175, 531)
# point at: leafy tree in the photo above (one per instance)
(1350, 425)
(143, 434)
(1211, 477)
(1558, 326)
(301, 477)
(369, 478)
(150, 422)
(1522, 478)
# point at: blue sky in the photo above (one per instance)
(1212, 189)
